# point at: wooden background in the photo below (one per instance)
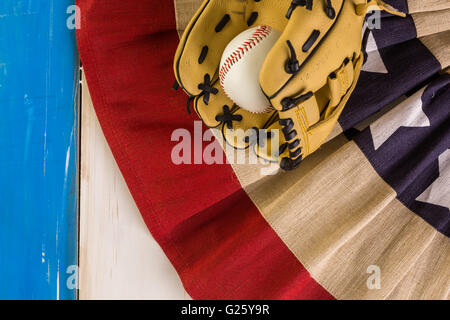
(39, 131)
(119, 259)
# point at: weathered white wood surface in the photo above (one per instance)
(119, 259)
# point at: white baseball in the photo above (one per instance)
(241, 64)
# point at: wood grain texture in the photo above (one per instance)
(38, 150)
(119, 259)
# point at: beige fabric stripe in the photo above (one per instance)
(431, 22)
(439, 46)
(432, 268)
(184, 11)
(339, 217)
(427, 5)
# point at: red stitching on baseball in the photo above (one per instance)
(260, 33)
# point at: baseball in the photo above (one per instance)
(241, 64)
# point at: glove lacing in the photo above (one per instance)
(207, 90)
(287, 124)
(227, 117)
(292, 65)
(329, 10)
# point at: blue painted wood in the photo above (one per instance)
(38, 149)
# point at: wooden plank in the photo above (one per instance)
(39, 150)
(119, 259)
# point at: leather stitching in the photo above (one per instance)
(303, 124)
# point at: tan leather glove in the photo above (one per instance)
(308, 75)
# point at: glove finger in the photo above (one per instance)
(319, 37)
(315, 43)
(244, 130)
(203, 42)
(312, 70)
(316, 49)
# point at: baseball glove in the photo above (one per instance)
(308, 76)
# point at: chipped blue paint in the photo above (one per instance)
(38, 149)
